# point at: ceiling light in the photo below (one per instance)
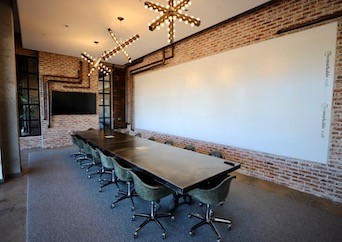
(169, 14)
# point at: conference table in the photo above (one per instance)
(176, 168)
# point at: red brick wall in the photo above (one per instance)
(323, 180)
(60, 125)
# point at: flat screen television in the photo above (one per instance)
(73, 103)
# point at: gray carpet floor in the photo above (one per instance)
(64, 205)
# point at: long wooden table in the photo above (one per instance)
(179, 169)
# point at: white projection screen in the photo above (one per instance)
(274, 96)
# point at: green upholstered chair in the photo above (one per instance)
(168, 142)
(211, 195)
(123, 174)
(76, 141)
(87, 159)
(153, 192)
(190, 147)
(107, 168)
(96, 162)
(217, 154)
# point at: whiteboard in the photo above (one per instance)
(274, 96)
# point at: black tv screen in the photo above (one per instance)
(73, 103)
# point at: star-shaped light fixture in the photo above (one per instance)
(169, 14)
(120, 46)
(96, 63)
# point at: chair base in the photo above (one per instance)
(153, 216)
(106, 182)
(210, 220)
(129, 194)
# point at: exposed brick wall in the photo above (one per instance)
(60, 125)
(323, 180)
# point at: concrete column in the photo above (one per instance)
(9, 140)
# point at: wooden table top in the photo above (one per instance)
(176, 168)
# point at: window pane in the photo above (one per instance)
(34, 112)
(33, 81)
(23, 96)
(21, 64)
(106, 87)
(22, 81)
(107, 111)
(101, 112)
(101, 123)
(100, 84)
(35, 127)
(34, 97)
(24, 127)
(106, 99)
(101, 100)
(106, 78)
(32, 65)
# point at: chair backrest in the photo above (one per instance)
(215, 194)
(105, 160)
(120, 171)
(86, 148)
(216, 153)
(95, 154)
(148, 191)
(168, 142)
(190, 147)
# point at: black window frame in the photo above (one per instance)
(103, 93)
(28, 96)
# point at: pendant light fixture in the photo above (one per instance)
(169, 14)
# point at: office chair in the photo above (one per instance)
(209, 196)
(123, 174)
(169, 142)
(190, 147)
(96, 162)
(76, 142)
(153, 192)
(107, 168)
(87, 159)
(217, 154)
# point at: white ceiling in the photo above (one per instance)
(43, 24)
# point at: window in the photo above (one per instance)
(28, 95)
(105, 103)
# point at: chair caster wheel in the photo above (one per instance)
(89, 176)
(200, 204)
(100, 189)
(132, 208)
(218, 240)
(81, 167)
(86, 170)
(116, 194)
(221, 203)
(172, 218)
(164, 235)
(113, 205)
(135, 235)
(133, 217)
(189, 215)
(191, 233)
(229, 226)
